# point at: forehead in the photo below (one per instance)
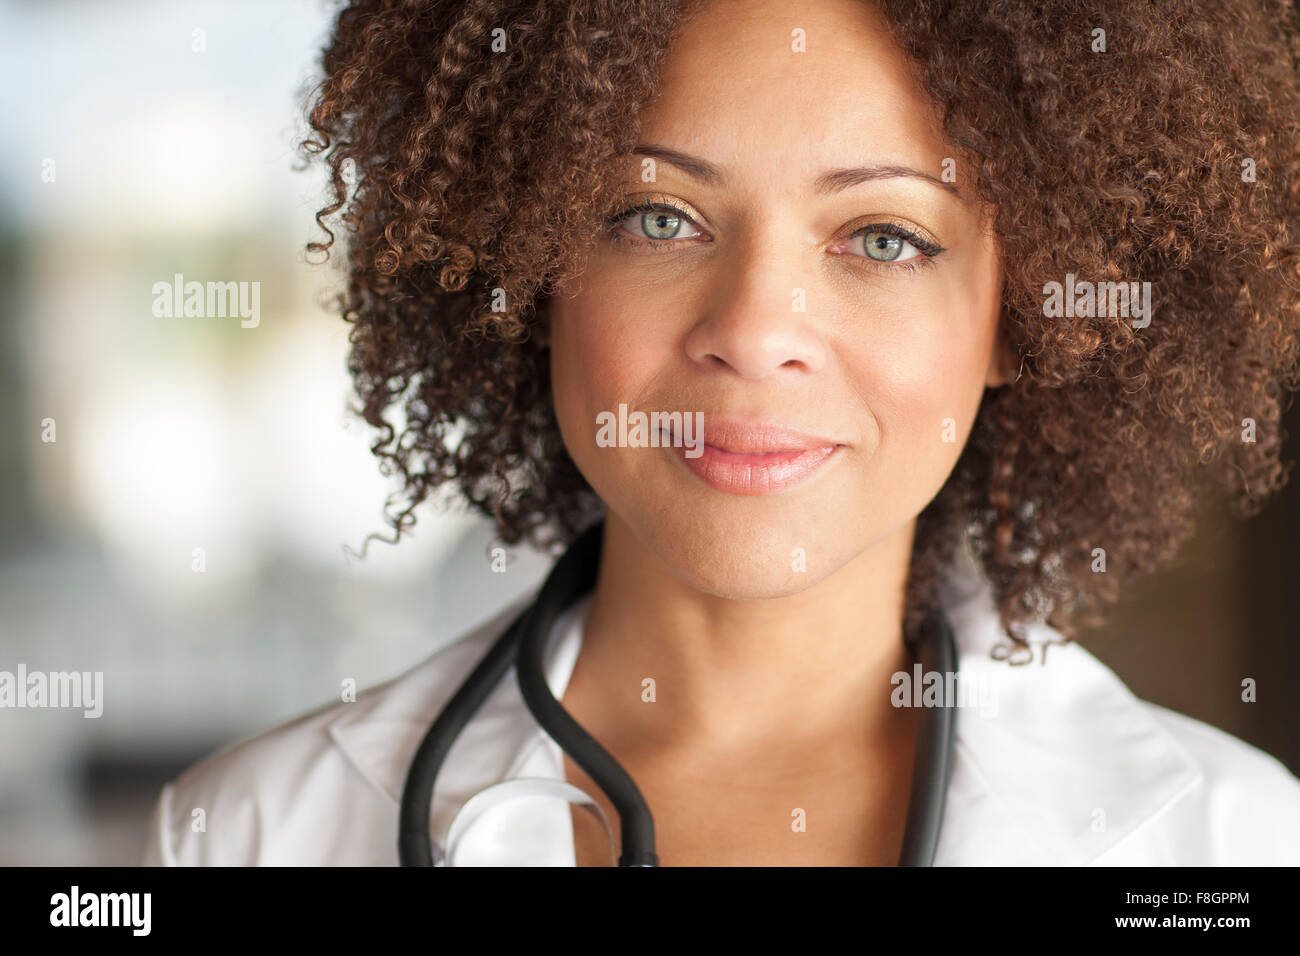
(735, 89)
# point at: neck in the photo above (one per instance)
(738, 674)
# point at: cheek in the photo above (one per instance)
(923, 372)
(601, 354)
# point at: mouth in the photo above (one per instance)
(755, 458)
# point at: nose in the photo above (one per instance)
(753, 325)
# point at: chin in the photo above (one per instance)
(742, 556)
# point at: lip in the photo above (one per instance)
(756, 457)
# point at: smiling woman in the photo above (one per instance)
(832, 306)
(824, 230)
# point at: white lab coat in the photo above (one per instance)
(1073, 769)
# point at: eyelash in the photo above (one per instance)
(926, 249)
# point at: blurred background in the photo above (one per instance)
(148, 139)
(142, 140)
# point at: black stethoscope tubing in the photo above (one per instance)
(524, 643)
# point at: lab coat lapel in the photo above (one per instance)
(381, 731)
(1071, 763)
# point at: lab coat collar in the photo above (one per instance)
(1069, 766)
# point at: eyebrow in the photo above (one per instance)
(831, 181)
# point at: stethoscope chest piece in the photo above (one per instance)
(511, 820)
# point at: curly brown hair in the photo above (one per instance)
(479, 179)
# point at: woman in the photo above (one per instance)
(890, 284)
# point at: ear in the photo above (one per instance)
(542, 330)
(1002, 362)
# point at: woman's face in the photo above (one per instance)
(813, 267)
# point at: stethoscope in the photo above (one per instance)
(524, 644)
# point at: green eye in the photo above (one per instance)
(658, 224)
(883, 247)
